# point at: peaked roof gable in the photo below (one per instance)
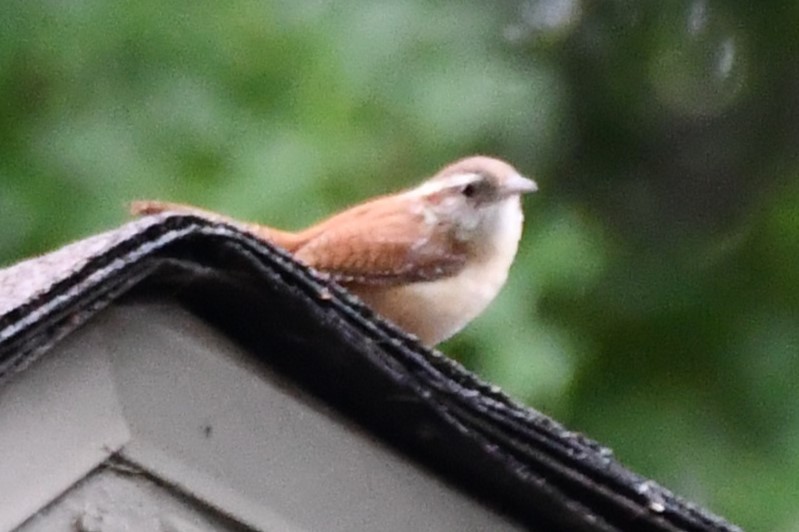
(414, 398)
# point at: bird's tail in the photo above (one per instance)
(284, 239)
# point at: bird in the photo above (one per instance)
(430, 259)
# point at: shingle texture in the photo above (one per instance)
(324, 341)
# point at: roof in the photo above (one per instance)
(415, 399)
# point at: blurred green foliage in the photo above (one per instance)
(655, 301)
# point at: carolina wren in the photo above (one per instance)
(430, 259)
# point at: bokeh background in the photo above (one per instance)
(655, 301)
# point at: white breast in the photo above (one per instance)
(436, 310)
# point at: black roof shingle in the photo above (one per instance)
(413, 398)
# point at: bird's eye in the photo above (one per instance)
(469, 190)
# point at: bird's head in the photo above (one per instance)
(478, 197)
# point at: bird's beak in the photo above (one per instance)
(517, 184)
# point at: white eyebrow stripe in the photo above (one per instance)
(437, 185)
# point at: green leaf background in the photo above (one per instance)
(655, 301)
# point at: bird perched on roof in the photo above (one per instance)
(430, 259)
